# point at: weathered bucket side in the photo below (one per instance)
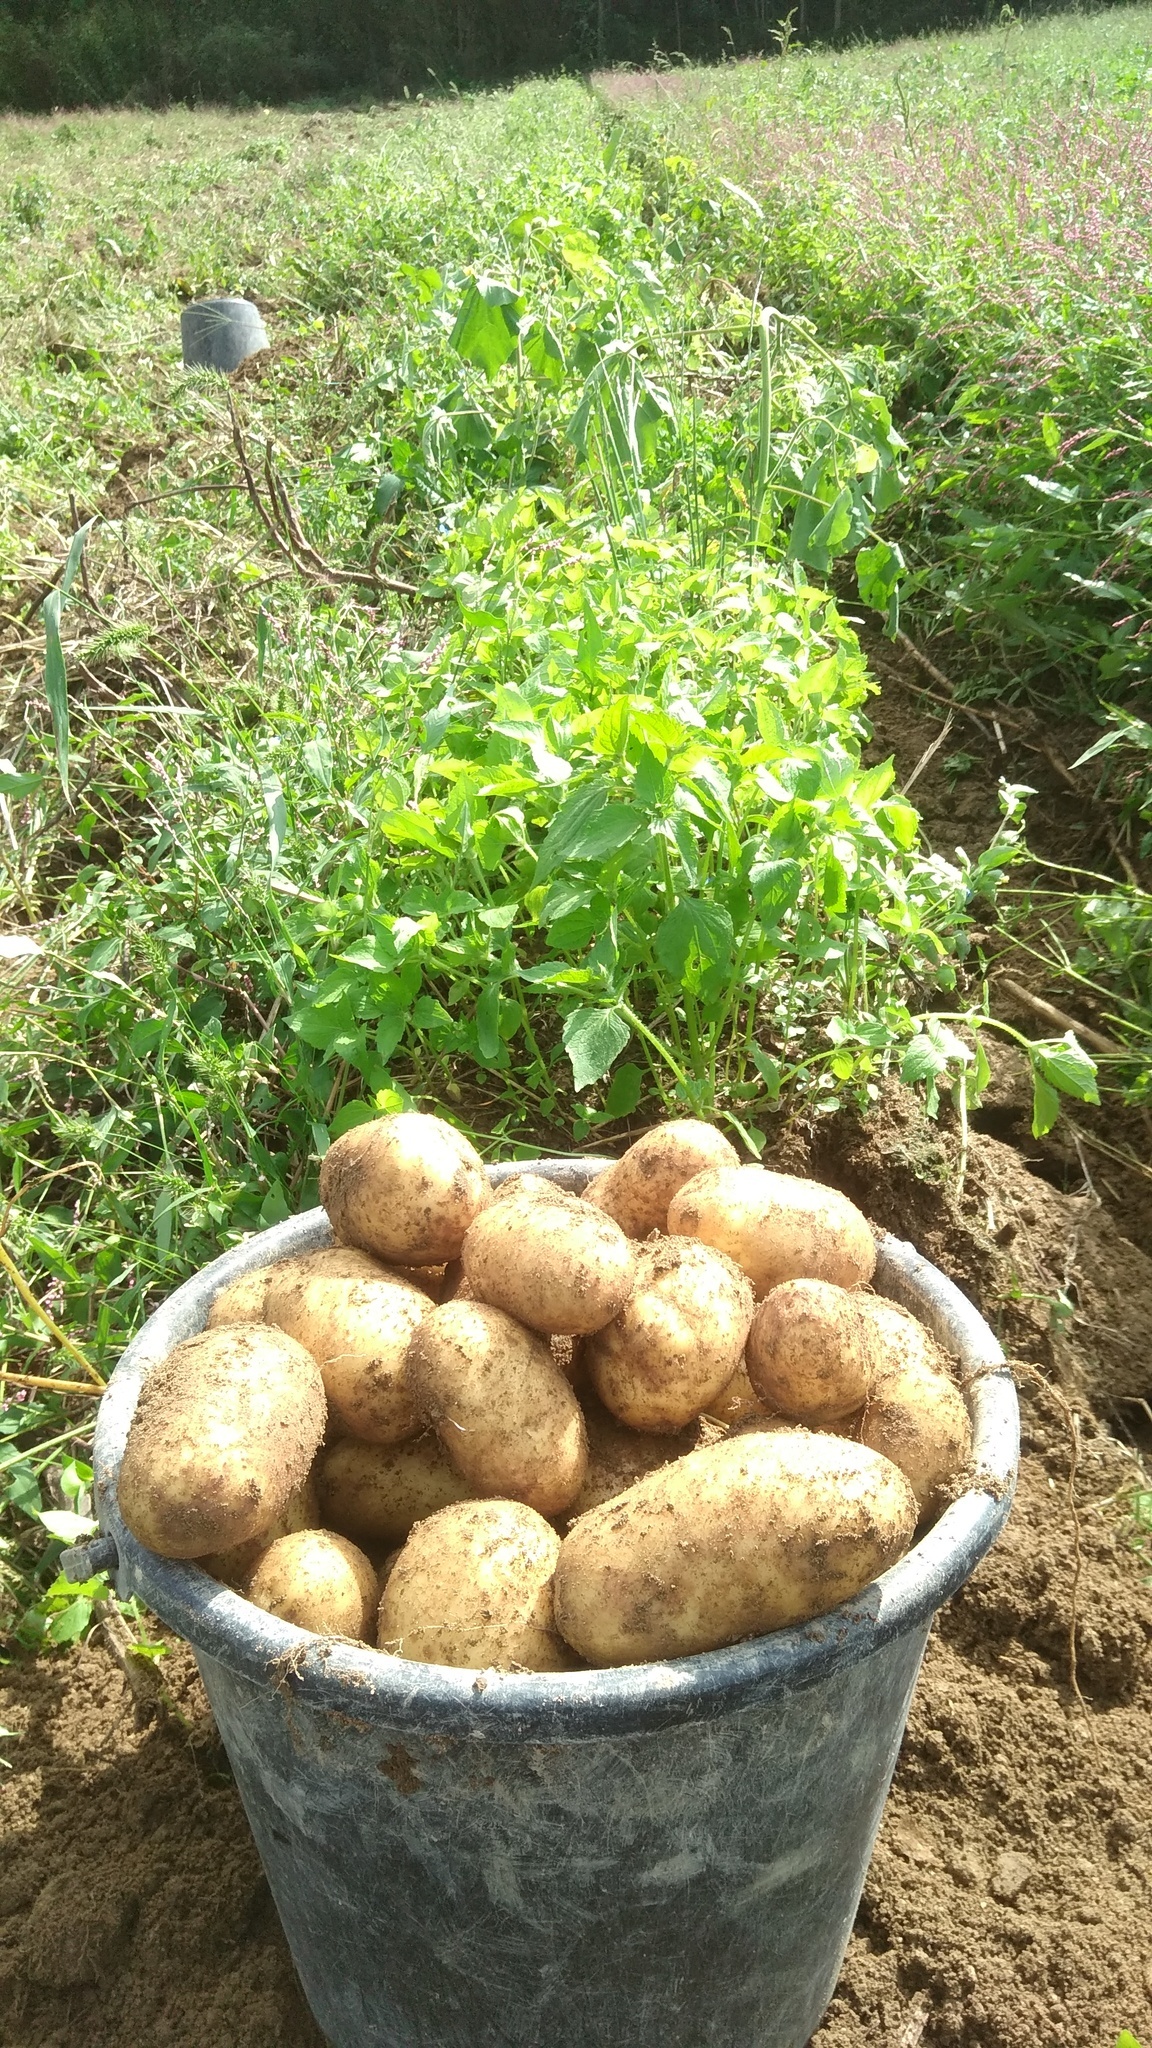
(694, 1887)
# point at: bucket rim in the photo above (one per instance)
(333, 1675)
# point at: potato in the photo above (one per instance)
(375, 1493)
(618, 1457)
(472, 1587)
(678, 1339)
(403, 1187)
(903, 1338)
(224, 1433)
(358, 1332)
(242, 1301)
(812, 1351)
(302, 1511)
(502, 1408)
(637, 1188)
(917, 1417)
(554, 1263)
(318, 1581)
(775, 1226)
(738, 1402)
(527, 1186)
(756, 1533)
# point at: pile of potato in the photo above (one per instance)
(519, 1429)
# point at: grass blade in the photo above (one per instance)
(55, 672)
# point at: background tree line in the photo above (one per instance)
(63, 53)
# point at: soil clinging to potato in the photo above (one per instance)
(1008, 1903)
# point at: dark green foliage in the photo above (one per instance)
(64, 53)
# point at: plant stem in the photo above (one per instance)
(57, 1335)
(30, 1379)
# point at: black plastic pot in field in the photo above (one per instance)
(661, 1854)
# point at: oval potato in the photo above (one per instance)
(556, 1265)
(358, 1331)
(503, 1409)
(318, 1581)
(918, 1417)
(242, 1300)
(678, 1339)
(812, 1350)
(637, 1188)
(472, 1587)
(776, 1226)
(756, 1533)
(224, 1433)
(375, 1493)
(302, 1511)
(404, 1187)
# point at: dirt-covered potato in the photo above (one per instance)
(358, 1331)
(776, 1226)
(502, 1408)
(738, 1402)
(319, 1581)
(242, 1301)
(678, 1338)
(375, 1493)
(473, 1587)
(637, 1188)
(813, 1349)
(302, 1511)
(404, 1187)
(554, 1263)
(917, 1416)
(526, 1186)
(618, 1457)
(752, 1534)
(224, 1434)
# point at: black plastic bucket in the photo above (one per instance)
(661, 1856)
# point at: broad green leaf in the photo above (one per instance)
(71, 1621)
(62, 1522)
(776, 886)
(543, 354)
(14, 784)
(318, 760)
(488, 325)
(1045, 1105)
(593, 1039)
(587, 827)
(693, 925)
(19, 1489)
(878, 572)
(413, 828)
(385, 495)
(347, 1118)
(624, 1092)
(488, 1021)
(1066, 1066)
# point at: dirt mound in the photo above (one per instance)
(133, 1909)
(1008, 1904)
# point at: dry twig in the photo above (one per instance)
(1062, 1020)
(281, 523)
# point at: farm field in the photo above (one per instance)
(482, 701)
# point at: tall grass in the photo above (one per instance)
(979, 210)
